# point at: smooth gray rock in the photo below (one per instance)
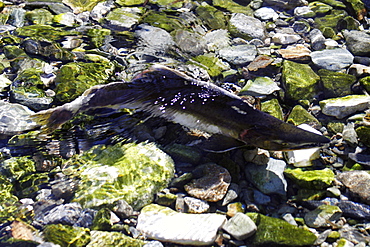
(164, 224)
(357, 182)
(358, 42)
(332, 59)
(157, 40)
(344, 106)
(190, 42)
(246, 27)
(269, 179)
(238, 54)
(240, 226)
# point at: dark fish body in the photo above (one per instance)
(167, 93)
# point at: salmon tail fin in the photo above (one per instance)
(51, 119)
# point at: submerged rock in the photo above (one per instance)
(259, 86)
(272, 231)
(239, 54)
(113, 239)
(118, 172)
(67, 235)
(315, 179)
(164, 224)
(15, 118)
(246, 27)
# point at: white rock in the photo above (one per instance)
(332, 59)
(217, 39)
(285, 38)
(304, 157)
(344, 106)
(240, 226)
(195, 205)
(164, 224)
(266, 13)
(4, 82)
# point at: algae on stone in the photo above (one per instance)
(130, 2)
(43, 32)
(97, 36)
(212, 17)
(162, 20)
(74, 78)
(40, 17)
(311, 179)
(273, 232)
(273, 108)
(212, 64)
(7, 200)
(67, 236)
(363, 133)
(300, 80)
(16, 167)
(322, 216)
(330, 20)
(80, 6)
(133, 172)
(233, 6)
(113, 239)
(365, 82)
(299, 115)
(336, 84)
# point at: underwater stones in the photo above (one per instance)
(40, 16)
(358, 42)
(246, 27)
(344, 106)
(67, 235)
(67, 214)
(113, 239)
(285, 38)
(43, 32)
(217, 39)
(117, 172)
(158, 39)
(122, 19)
(68, 19)
(332, 59)
(212, 64)
(212, 184)
(74, 78)
(357, 183)
(161, 223)
(273, 108)
(322, 215)
(311, 179)
(272, 231)
(259, 86)
(336, 84)
(183, 153)
(15, 118)
(266, 13)
(269, 178)
(190, 42)
(300, 80)
(7, 199)
(363, 132)
(299, 116)
(240, 226)
(211, 16)
(239, 54)
(79, 6)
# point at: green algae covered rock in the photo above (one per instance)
(299, 115)
(319, 7)
(322, 215)
(132, 172)
(130, 2)
(113, 239)
(40, 16)
(315, 179)
(211, 16)
(363, 133)
(330, 20)
(212, 64)
(7, 199)
(74, 78)
(272, 232)
(365, 82)
(17, 167)
(183, 153)
(97, 36)
(273, 108)
(123, 19)
(43, 32)
(67, 236)
(102, 220)
(358, 7)
(80, 6)
(233, 6)
(168, 3)
(300, 80)
(336, 84)
(162, 20)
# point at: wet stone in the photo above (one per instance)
(164, 224)
(239, 54)
(358, 42)
(322, 215)
(65, 235)
(196, 206)
(217, 39)
(259, 86)
(344, 106)
(268, 178)
(122, 19)
(296, 52)
(246, 27)
(15, 118)
(111, 239)
(190, 42)
(332, 59)
(212, 185)
(240, 226)
(314, 179)
(266, 13)
(157, 39)
(285, 38)
(336, 84)
(354, 209)
(357, 183)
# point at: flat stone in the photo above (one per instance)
(336, 84)
(269, 178)
(344, 106)
(332, 59)
(240, 226)
(239, 54)
(285, 38)
(322, 215)
(246, 27)
(296, 52)
(358, 42)
(357, 182)
(164, 224)
(212, 186)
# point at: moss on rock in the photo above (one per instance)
(363, 133)
(314, 179)
(273, 108)
(272, 232)
(300, 80)
(113, 239)
(336, 84)
(67, 236)
(299, 115)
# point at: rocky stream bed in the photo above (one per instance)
(123, 178)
